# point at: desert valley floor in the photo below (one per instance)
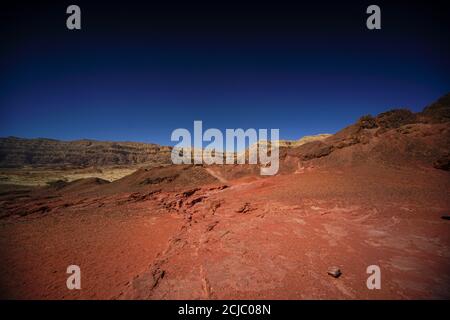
(249, 238)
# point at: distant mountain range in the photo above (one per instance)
(48, 152)
(17, 152)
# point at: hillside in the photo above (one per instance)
(397, 137)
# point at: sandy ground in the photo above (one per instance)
(110, 248)
(247, 238)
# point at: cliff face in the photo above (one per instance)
(16, 152)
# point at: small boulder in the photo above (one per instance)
(334, 272)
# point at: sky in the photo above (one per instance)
(137, 70)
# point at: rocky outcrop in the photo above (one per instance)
(394, 137)
(439, 111)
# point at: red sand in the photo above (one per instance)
(255, 239)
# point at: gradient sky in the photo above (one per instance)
(137, 71)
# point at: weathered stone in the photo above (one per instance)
(334, 272)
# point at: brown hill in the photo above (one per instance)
(398, 137)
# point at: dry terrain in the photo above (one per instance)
(375, 193)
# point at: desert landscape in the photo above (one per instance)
(375, 193)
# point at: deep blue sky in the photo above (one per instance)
(137, 71)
